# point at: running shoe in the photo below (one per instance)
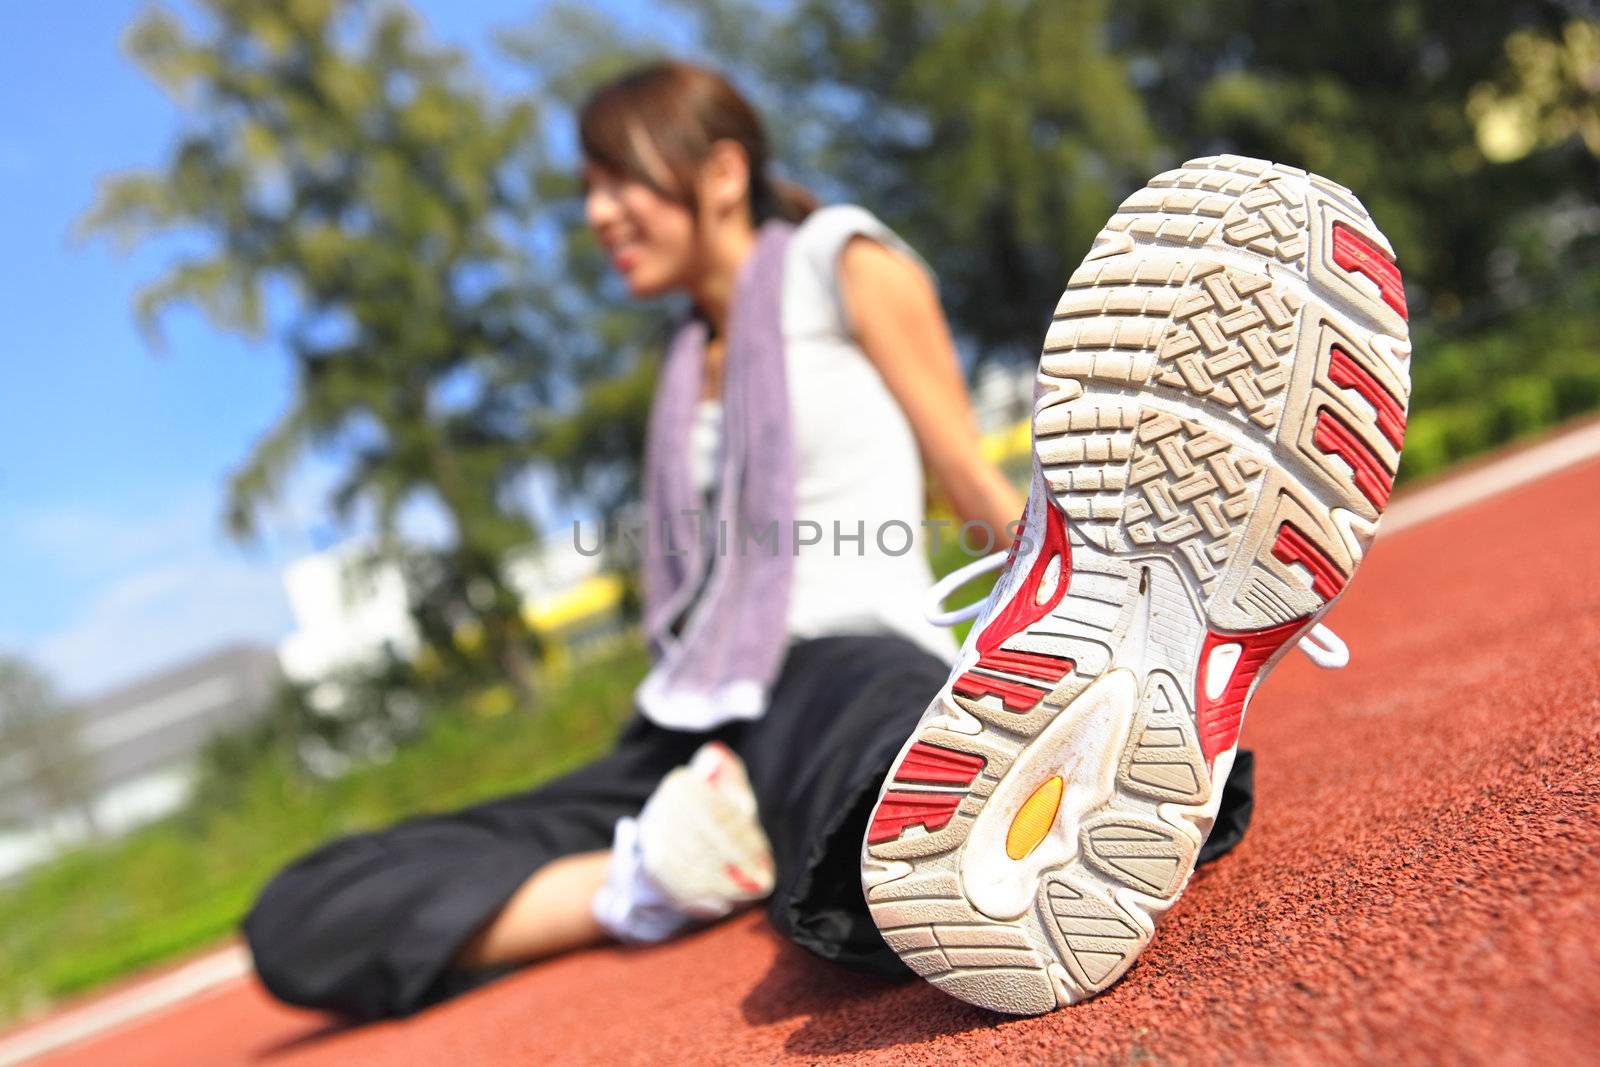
(695, 853)
(1217, 424)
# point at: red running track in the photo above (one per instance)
(1419, 885)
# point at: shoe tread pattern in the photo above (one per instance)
(1186, 400)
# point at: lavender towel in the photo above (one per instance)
(721, 664)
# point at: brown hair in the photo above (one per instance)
(665, 117)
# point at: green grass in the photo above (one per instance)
(1472, 394)
(105, 911)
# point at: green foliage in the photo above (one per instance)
(1476, 392)
(997, 135)
(1546, 95)
(360, 198)
(1377, 96)
(170, 887)
(41, 748)
(595, 448)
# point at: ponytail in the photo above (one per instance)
(779, 198)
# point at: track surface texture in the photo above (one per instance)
(1418, 886)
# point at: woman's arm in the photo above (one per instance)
(895, 315)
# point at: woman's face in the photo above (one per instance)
(649, 239)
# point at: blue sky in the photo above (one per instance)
(112, 456)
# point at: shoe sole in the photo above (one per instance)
(1217, 424)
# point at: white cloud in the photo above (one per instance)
(151, 590)
(85, 544)
(143, 586)
(152, 619)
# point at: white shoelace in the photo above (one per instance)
(1321, 646)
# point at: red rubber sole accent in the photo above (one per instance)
(1346, 373)
(1217, 721)
(1024, 608)
(1293, 546)
(1355, 254)
(897, 812)
(1019, 697)
(934, 765)
(1334, 436)
(1015, 695)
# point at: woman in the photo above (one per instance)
(800, 404)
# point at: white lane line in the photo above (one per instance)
(95, 1019)
(1495, 477)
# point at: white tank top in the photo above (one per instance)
(857, 467)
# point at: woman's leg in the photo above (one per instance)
(377, 924)
(550, 913)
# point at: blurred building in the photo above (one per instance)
(152, 729)
(141, 740)
(568, 599)
(1002, 394)
(346, 615)
(349, 615)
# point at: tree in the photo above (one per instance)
(359, 197)
(1549, 93)
(41, 742)
(594, 442)
(1387, 98)
(999, 134)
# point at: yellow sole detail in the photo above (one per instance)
(1033, 819)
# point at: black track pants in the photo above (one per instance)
(367, 925)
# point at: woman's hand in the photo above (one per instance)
(894, 313)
